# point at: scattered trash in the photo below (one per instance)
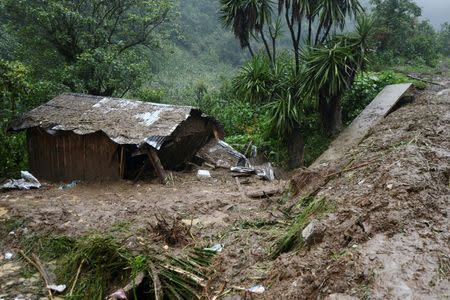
(216, 248)
(265, 172)
(243, 170)
(27, 182)
(9, 255)
(57, 288)
(121, 294)
(118, 295)
(390, 186)
(222, 155)
(166, 247)
(203, 174)
(257, 289)
(69, 185)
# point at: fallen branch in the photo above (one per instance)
(264, 193)
(424, 80)
(76, 278)
(37, 264)
(156, 282)
(351, 169)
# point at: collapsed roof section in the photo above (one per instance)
(125, 122)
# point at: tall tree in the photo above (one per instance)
(247, 18)
(96, 40)
(331, 69)
(396, 21)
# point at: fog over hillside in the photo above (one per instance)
(437, 11)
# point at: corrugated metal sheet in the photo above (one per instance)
(123, 121)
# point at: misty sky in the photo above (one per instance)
(437, 11)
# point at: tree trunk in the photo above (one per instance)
(295, 146)
(331, 115)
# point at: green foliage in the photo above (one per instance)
(275, 87)
(49, 247)
(243, 122)
(365, 88)
(444, 39)
(398, 32)
(102, 262)
(94, 46)
(330, 70)
(105, 72)
(311, 207)
(149, 94)
(19, 93)
(256, 81)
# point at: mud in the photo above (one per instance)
(212, 210)
(386, 238)
(389, 235)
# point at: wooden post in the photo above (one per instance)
(154, 159)
(122, 162)
(216, 133)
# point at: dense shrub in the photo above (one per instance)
(19, 93)
(365, 88)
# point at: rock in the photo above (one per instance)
(203, 174)
(313, 233)
(339, 296)
(444, 92)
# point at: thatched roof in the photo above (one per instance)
(123, 121)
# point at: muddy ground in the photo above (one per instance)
(387, 236)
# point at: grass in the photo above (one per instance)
(102, 262)
(48, 247)
(312, 207)
(97, 264)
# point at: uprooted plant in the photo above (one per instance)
(96, 265)
(310, 207)
(173, 231)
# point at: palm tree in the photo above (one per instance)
(334, 13)
(247, 18)
(331, 69)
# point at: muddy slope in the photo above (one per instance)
(388, 236)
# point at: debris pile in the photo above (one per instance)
(28, 181)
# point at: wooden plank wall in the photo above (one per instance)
(68, 156)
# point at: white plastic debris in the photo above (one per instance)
(216, 248)
(57, 288)
(118, 295)
(69, 185)
(257, 289)
(27, 182)
(203, 174)
(390, 186)
(9, 255)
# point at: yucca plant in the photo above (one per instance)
(331, 69)
(256, 81)
(247, 18)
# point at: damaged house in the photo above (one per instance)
(92, 138)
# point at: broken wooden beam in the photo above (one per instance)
(159, 169)
(264, 193)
